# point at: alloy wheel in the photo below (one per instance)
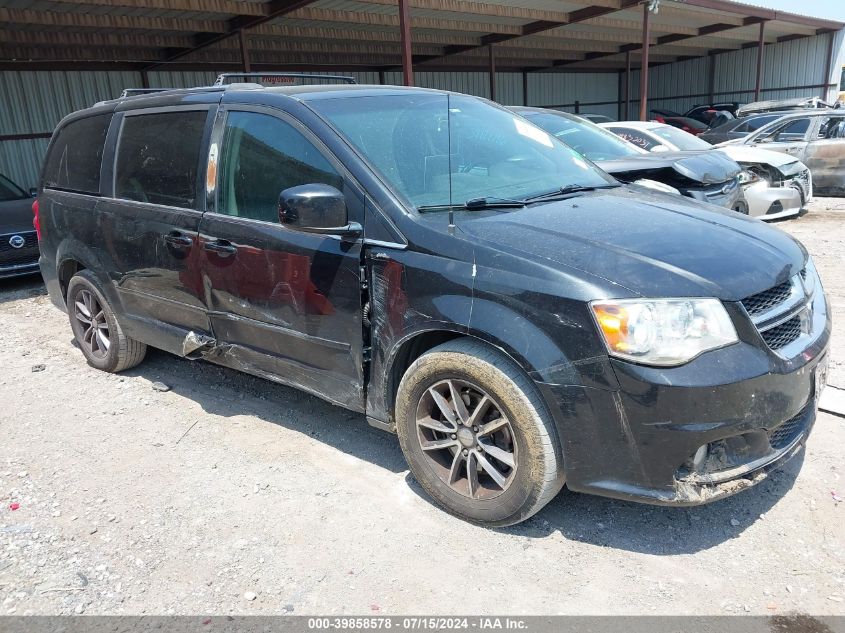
(466, 439)
(94, 325)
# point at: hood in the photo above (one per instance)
(703, 166)
(750, 154)
(653, 244)
(16, 216)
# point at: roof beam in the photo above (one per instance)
(232, 7)
(766, 14)
(107, 21)
(532, 28)
(272, 9)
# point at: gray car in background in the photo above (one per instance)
(816, 138)
(739, 128)
(18, 241)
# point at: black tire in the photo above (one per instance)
(534, 448)
(121, 352)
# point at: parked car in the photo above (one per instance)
(18, 242)
(775, 186)
(705, 176)
(453, 272)
(687, 124)
(798, 103)
(815, 137)
(739, 128)
(706, 113)
(596, 118)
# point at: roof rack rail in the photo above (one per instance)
(221, 79)
(132, 92)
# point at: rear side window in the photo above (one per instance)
(75, 157)
(158, 158)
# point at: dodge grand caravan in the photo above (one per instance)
(519, 318)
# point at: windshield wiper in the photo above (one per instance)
(476, 204)
(568, 190)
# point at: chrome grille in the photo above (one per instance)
(768, 299)
(27, 254)
(783, 334)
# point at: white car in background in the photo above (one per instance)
(776, 185)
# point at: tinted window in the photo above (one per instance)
(158, 156)
(755, 123)
(9, 190)
(76, 155)
(262, 156)
(633, 136)
(584, 137)
(792, 131)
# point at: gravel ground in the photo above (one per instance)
(231, 495)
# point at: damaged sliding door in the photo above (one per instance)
(283, 304)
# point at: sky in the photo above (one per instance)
(828, 9)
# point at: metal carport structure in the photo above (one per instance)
(59, 55)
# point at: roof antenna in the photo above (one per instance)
(449, 162)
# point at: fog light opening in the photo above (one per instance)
(699, 458)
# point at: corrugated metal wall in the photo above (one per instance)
(33, 102)
(786, 67)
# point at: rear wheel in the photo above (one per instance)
(96, 330)
(477, 435)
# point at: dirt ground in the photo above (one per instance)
(231, 495)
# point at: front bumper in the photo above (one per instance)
(639, 442)
(18, 270)
(728, 195)
(770, 203)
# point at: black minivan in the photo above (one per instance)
(519, 318)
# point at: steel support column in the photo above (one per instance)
(627, 84)
(644, 64)
(828, 68)
(405, 37)
(524, 88)
(244, 50)
(761, 47)
(492, 71)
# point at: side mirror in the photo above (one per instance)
(33, 192)
(316, 208)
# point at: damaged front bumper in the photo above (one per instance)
(784, 196)
(692, 434)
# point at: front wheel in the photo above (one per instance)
(477, 435)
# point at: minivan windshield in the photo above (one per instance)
(437, 150)
(584, 137)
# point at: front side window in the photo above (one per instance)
(76, 155)
(794, 130)
(9, 190)
(438, 150)
(262, 156)
(584, 137)
(158, 158)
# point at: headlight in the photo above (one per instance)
(810, 277)
(747, 177)
(663, 332)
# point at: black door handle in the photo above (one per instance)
(224, 248)
(175, 238)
